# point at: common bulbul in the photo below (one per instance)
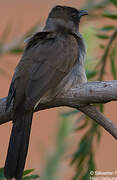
(53, 61)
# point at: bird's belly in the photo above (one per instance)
(73, 79)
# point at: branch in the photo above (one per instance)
(97, 116)
(78, 97)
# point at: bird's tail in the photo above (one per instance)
(18, 145)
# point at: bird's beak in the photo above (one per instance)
(83, 13)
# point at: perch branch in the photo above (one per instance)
(78, 97)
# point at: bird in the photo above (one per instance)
(52, 61)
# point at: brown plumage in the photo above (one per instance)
(51, 61)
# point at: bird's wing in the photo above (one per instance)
(54, 60)
(30, 42)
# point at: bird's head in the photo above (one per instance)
(66, 16)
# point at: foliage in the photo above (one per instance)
(83, 158)
(26, 176)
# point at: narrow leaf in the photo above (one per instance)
(109, 15)
(28, 171)
(102, 36)
(101, 107)
(16, 50)
(2, 173)
(90, 74)
(35, 176)
(114, 2)
(113, 65)
(107, 28)
(101, 46)
(98, 134)
(82, 126)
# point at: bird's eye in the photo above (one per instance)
(75, 15)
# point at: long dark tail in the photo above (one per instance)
(18, 145)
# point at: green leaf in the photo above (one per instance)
(78, 173)
(114, 2)
(2, 173)
(35, 176)
(109, 15)
(101, 46)
(86, 176)
(28, 171)
(91, 162)
(101, 107)
(82, 126)
(107, 28)
(90, 74)
(83, 149)
(113, 65)
(98, 134)
(17, 50)
(102, 36)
